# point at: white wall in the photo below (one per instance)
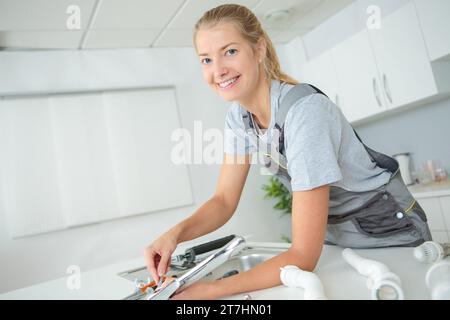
(31, 260)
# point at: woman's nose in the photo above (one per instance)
(220, 70)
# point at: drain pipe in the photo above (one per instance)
(384, 284)
(293, 276)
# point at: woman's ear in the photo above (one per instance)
(261, 48)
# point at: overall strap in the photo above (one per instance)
(247, 120)
(382, 160)
(296, 93)
(302, 90)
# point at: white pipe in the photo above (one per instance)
(293, 276)
(430, 251)
(384, 284)
(438, 280)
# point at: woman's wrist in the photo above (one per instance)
(177, 232)
(222, 288)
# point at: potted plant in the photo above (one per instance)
(276, 190)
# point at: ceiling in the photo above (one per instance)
(48, 24)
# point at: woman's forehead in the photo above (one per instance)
(216, 38)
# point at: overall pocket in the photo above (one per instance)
(382, 217)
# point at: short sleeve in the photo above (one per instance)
(313, 137)
(236, 140)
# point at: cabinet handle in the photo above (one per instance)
(386, 88)
(375, 91)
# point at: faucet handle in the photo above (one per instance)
(191, 253)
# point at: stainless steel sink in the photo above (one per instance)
(245, 261)
(248, 258)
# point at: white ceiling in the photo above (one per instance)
(41, 24)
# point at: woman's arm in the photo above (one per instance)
(210, 216)
(309, 221)
(215, 212)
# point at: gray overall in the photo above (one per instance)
(384, 217)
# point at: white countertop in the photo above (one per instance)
(429, 190)
(340, 280)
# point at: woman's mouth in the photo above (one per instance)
(228, 83)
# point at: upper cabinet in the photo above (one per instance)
(75, 159)
(377, 71)
(402, 58)
(358, 78)
(435, 23)
(404, 63)
(320, 72)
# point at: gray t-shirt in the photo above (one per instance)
(321, 147)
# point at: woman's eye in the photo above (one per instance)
(206, 61)
(231, 52)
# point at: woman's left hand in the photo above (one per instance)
(202, 290)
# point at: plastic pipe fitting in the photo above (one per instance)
(293, 276)
(384, 284)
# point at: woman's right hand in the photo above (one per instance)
(158, 254)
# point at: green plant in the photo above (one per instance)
(276, 190)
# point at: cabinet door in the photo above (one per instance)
(29, 168)
(85, 171)
(402, 58)
(440, 236)
(445, 206)
(140, 126)
(432, 209)
(321, 73)
(70, 160)
(358, 79)
(433, 16)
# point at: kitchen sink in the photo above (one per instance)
(248, 258)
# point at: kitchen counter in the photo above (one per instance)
(339, 279)
(429, 190)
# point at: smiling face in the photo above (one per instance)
(229, 64)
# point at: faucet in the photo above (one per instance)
(231, 249)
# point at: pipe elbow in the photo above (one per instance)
(293, 276)
(383, 283)
(365, 267)
(375, 268)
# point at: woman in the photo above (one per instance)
(331, 175)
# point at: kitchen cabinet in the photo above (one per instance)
(28, 167)
(358, 78)
(74, 159)
(380, 71)
(437, 210)
(445, 206)
(402, 58)
(435, 22)
(321, 73)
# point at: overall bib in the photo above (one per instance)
(384, 217)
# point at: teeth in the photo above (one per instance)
(227, 83)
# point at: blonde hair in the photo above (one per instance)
(250, 28)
